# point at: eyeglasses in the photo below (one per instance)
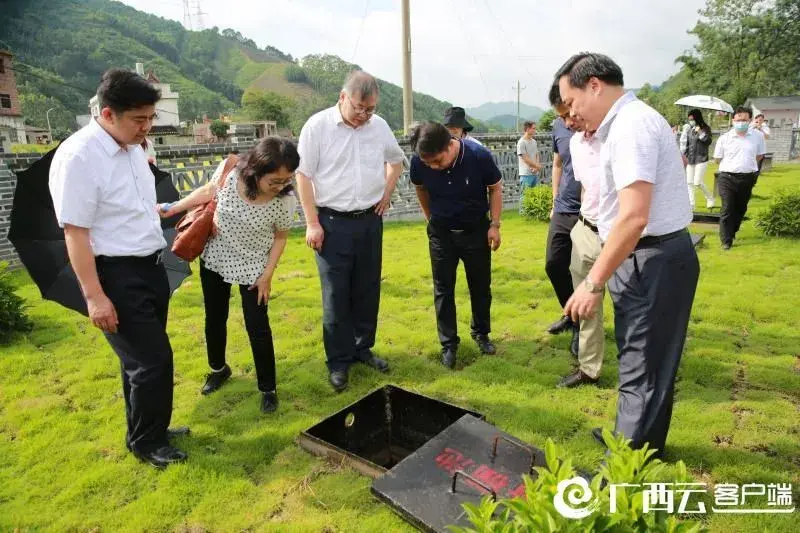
(360, 109)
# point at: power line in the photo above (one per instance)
(457, 11)
(360, 31)
(507, 36)
(51, 80)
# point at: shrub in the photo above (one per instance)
(12, 309)
(538, 511)
(782, 218)
(537, 203)
(31, 148)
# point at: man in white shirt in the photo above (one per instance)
(587, 166)
(104, 197)
(647, 257)
(349, 166)
(760, 124)
(738, 152)
(528, 156)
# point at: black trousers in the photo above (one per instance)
(447, 247)
(216, 298)
(653, 292)
(139, 290)
(735, 191)
(559, 255)
(349, 266)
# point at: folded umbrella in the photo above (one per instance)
(39, 241)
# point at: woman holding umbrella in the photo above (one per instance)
(255, 209)
(695, 140)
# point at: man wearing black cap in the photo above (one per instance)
(455, 120)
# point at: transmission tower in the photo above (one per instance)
(187, 15)
(198, 16)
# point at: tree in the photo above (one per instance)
(546, 120)
(219, 129)
(260, 105)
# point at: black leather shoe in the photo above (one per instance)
(560, 326)
(377, 363)
(215, 380)
(575, 344)
(269, 402)
(162, 457)
(178, 431)
(449, 356)
(486, 346)
(338, 380)
(575, 379)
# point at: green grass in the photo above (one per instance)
(63, 465)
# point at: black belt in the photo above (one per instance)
(650, 240)
(588, 224)
(346, 214)
(480, 224)
(156, 258)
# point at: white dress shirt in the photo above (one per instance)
(346, 165)
(95, 184)
(638, 145)
(587, 166)
(738, 152)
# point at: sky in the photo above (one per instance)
(467, 52)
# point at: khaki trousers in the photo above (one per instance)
(585, 251)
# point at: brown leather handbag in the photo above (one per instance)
(197, 226)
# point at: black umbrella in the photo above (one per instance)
(39, 241)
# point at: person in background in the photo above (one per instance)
(104, 196)
(349, 166)
(696, 138)
(529, 162)
(761, 125)
(647, 258)
(738, 152)
(563, 216)
(455, 120)
(453, 178)
(255, 210)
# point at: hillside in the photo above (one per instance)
(493, 110)
(61, 53)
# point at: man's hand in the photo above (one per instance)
(383, 206)
(494, 238)
(314, 235)
(102, 313)
(582, 304)
(264, 286)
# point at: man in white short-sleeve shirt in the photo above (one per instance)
(739, 153)
(647, 258)
(104, 197)
(349, 166)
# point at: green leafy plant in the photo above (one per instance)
(219, 129)
(12, 309)
(537, 203)
(782, 218)
(538, 511)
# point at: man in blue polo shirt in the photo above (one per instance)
(452, 178)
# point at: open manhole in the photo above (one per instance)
(378, 431)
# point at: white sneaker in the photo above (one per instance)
(710, 203)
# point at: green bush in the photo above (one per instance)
(538, 511)
(12, 309)
(782, 218)
(537, 203)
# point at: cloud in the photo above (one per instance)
(466, 51)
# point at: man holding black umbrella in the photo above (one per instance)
(105, 199)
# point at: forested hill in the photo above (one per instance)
(62, 47)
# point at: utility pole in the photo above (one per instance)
(519, 89)
(49, 129)
(408, 103)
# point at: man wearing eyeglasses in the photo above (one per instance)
(349, 165)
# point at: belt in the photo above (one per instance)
(588, 224)
(650, 240)
(346, 214)
(480, 224)
(155, 258)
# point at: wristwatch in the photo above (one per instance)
(494, 224)
(591, 287)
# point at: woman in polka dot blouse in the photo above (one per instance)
(255, 209)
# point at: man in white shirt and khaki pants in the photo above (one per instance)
(105, 199)
(647, 256)
(349, 166)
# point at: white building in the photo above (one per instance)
(778, 111)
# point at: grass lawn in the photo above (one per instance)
(63, 464)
